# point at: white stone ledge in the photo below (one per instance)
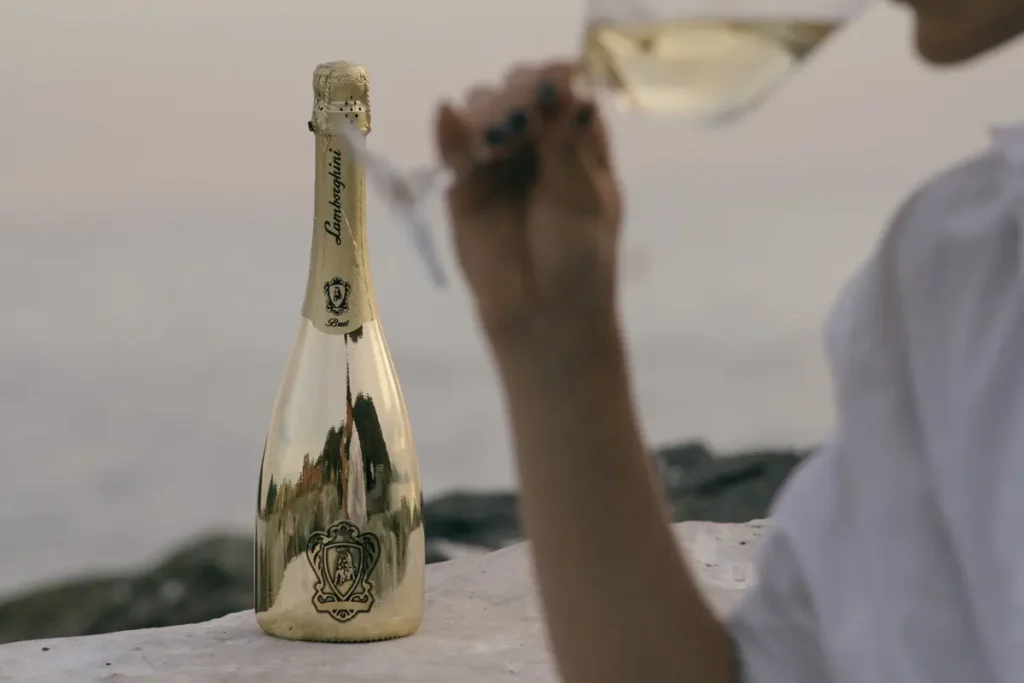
(482, 625)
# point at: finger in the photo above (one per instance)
(477, 143)
(572, 159)
(519, 114)
(505, 116)
(574, 122)
(479, 104)
(537, 105)
(520, 79)
(515, 110)
(579, 134)
(501, 127)
(555, 89)
(487, 115)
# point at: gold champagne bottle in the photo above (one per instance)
(340, 549)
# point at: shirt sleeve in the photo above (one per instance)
(778, 630)
(781, 628)
(894, 553)
(774, 629)
(961, 288)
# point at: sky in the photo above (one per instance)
(155, 214)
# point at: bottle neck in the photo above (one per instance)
(339, 295)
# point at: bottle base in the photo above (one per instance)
(316, 631)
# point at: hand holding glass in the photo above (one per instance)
(706, 61)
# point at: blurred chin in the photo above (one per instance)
(942, 44)
(954, 40)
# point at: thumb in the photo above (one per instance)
(454, 140)
(459, 151)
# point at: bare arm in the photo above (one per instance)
(536, 219)
(620, 603)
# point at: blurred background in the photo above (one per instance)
(155, 215)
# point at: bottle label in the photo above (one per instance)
(338, 300)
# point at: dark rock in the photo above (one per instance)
(702, 487)
(487, 520)
(200, 581)
(434, 555)
(203, 580)
(213, 576)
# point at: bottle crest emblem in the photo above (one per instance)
(336, 292)
(343, 559)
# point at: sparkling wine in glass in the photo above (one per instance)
(703, 61)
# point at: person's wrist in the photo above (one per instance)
(557, 345)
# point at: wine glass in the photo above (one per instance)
(705, 61)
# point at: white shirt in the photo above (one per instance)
(897, 552)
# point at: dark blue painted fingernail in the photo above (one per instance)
(517, 121)
(547, 93)
(495, 135)
(547, 99)
(584, 116)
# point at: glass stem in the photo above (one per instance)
(407, 193)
